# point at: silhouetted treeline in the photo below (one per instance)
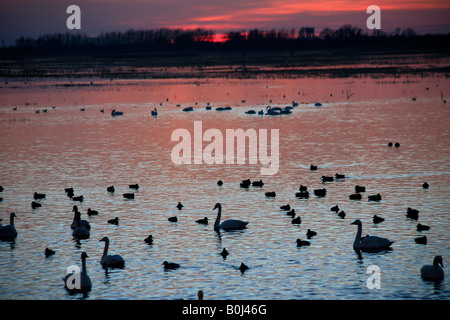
(165, 39)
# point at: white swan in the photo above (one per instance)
(112, 261)
(85, 281)
(227, 225)
(8, 232)
(369, 243)
(434, 272)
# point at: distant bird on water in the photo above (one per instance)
(149, 239)
(342, 214)
(38, 196)
(243, 267)
(224, 253)
(375, 197)
(412, 213)
(116, 113)
(48, 252)
(170, 265)
(114, 221)
(422, 227)
(310, 233)
(302, 243)
(202, 221)
(421, 240)
(377, 219)
(35, 205)
(128, 195)
(297, 220)
(91, 212)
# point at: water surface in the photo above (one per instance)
(89, 151)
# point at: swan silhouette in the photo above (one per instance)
(80, 231)
(116, 113)
(369, 243)
(433, 272)
(85, 281)
(76, 216)
(227, 225)
(8, 232)
(110, 261)
(272, 111)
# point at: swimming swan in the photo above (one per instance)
(228, 224)
(434, 272)
(80, 231)
(77, 215)
(116, 113)
(8, 232)
(369, 243)
(112, 261)
(85, 282)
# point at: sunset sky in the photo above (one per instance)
(33, 18)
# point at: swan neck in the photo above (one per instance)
(83, 266)
(11, 220)
(219, 214)
(358, 236)
(105, 250)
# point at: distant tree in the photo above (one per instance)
(327, 34)
(348, 32)
(408, 33)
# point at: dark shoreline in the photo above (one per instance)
(338, 63)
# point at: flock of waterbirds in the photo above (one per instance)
(81, 229)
